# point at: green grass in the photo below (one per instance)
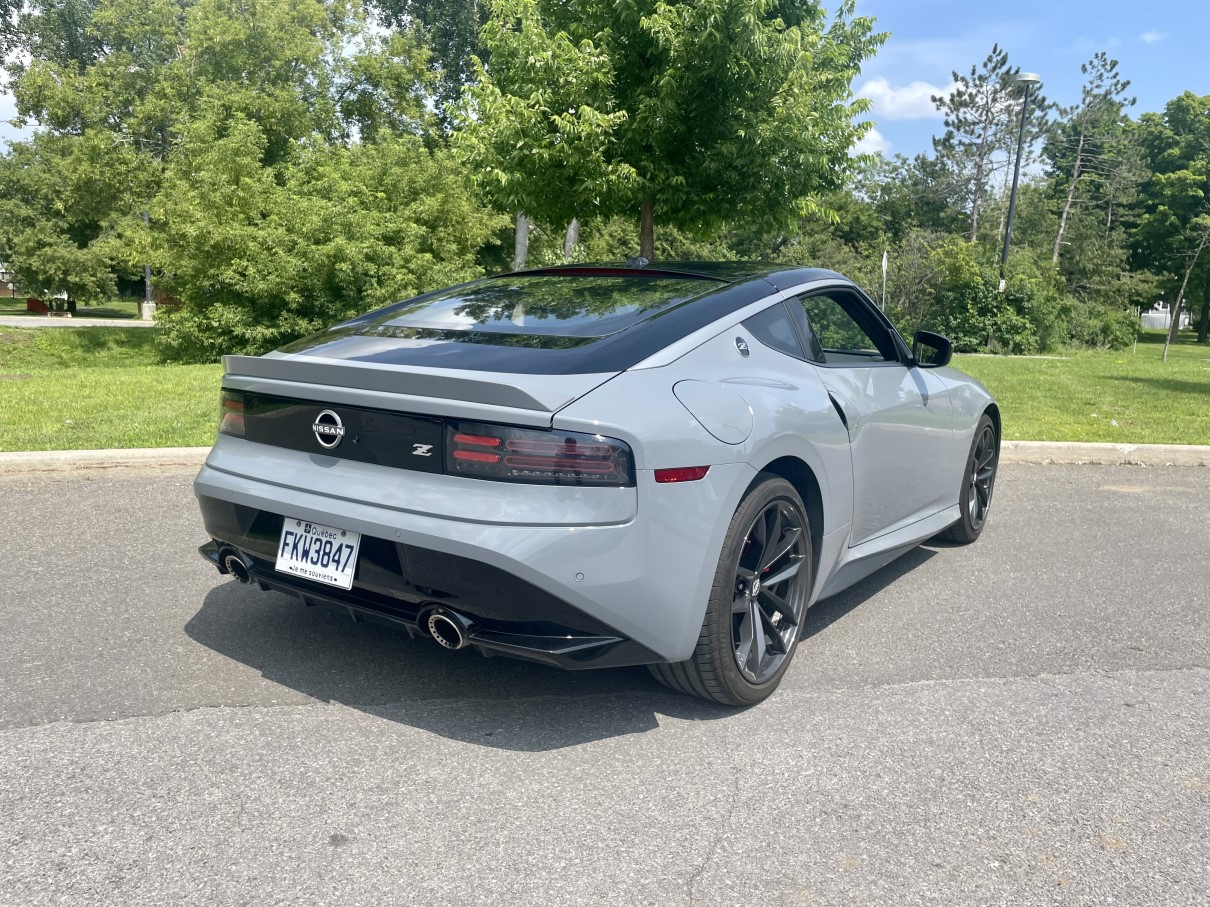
(84, 388)
(115, 308)
(1121, 396)
(90, 388)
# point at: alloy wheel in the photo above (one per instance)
(982, 476)
(770, 593)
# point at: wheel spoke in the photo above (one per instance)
(781, 575)
(756, 655)
(744, 646)
(779, 549)
(775, 646)
(983, 496)
(780, 605)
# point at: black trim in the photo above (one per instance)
(399, 583)
(353, 341)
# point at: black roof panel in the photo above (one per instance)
(514, 323)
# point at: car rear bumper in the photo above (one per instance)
(574, 595)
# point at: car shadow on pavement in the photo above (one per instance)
(497, 702)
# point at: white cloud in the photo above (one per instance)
(1150, 37)
(908, 102)
(873, 142)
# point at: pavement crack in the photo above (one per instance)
(722, 829)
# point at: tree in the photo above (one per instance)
(696, 113)
(261, 255)
(1172, 232)
(979, 133)
(61, 200)
(1081, 142)
(451, 29)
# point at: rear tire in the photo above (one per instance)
(978, 483)
(758, 602)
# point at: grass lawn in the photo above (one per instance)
(1122, 396)
(84, 388)
(89, 388)
(115, 308)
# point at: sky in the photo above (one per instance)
(1163, 48)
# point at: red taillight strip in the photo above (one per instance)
(681, 474)
(477, 440)
(476, 456)
(601, 467)
(558, 448)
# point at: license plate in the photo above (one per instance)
(321, 553)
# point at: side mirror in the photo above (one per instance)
(931, 350)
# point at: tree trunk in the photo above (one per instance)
(647, 229)
(1203, 326)
(1005, 198)
(571, 239)
(980, 163)
(1071, 197)
(1175, 326)
(71, 305)
(521, 249)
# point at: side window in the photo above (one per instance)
(844, 331)
(773, 328)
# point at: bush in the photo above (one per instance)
(263, 255)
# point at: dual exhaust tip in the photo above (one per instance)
(234, 564)
(449, 629)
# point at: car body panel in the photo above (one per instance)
(692, 387)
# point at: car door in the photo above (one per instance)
(899, 417)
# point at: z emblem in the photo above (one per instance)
(422, 450)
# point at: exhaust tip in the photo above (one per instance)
(234, 564)
(448, 629)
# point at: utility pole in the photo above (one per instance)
(147, 310)
(1028, 79)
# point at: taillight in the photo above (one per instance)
(543, 457)
(681, 474)
(231, 413)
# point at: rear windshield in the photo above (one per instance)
(584, 307)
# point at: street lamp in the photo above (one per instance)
(1028, 79)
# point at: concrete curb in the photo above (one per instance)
(37, 321)
(1069, 452)
(64, 462)
(61, 462)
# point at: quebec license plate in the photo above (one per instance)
(320, 553)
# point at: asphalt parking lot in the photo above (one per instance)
(1025, 721)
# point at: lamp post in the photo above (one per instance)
(1028, 79)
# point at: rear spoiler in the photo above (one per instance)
(537, 393)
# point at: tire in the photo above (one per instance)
(753, 618)
(978, 483)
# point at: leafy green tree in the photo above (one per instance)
(697, 113)
(261, 255)
(1081, 142)
(1174, 230)
(980, 114)
(450, 28)
(62, 197)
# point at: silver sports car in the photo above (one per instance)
(592, 466)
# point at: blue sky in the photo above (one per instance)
(1162, 46)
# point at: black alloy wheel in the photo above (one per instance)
(758, 601)
(978, 483)
(767, 608)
